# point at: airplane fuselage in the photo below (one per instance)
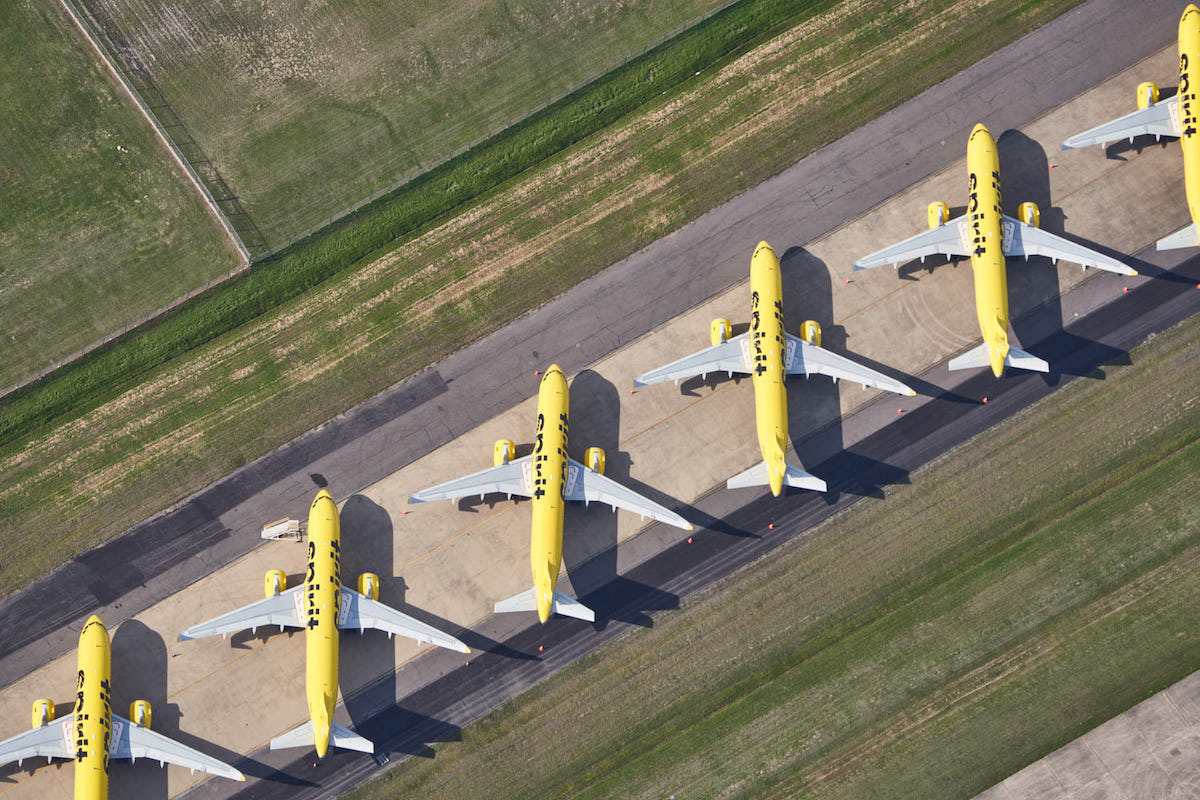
(322, 604)
(93, 712)
(1189, 107)
(549, 476)
(985, 235)
(767, 350)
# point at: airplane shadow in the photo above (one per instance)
(590, 533)
(369, 659)
(1035, 297)
(814, 404)
(139, 669)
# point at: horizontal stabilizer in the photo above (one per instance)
(1187, 237)
(296, 737)
(564, 605)
(570, 607)
(758, 476)
(522, 601)
(349, 740)
(339, 736)
(1019, 359)
(978, 357)
(974, 358)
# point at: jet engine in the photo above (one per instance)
(1029, 214)
(502, 452)
(368, 584)
(139, 713)
(938, 214)
(1147, 94)
(43, 713)
(810, 332)
(594, 459)
(274, 582)
(719, 331)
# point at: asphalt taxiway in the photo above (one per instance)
(936, 319)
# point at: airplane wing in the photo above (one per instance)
(588, 486)
(511, 479)
(284, 609)
(728, 356)
(1026, 240)
(134, 742)
(53, 740)
(1160, 119)
(808, 359)
(947, 239)
(360, 612)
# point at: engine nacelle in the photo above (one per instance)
(368, 584)
(810, 332)
(1147, 94)
(139, 713)
(274, 582)
(719, 331)
(43, 713)
(502, 452)
(938, 214)
(1029, 214)
(594, 459)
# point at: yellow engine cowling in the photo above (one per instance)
(594, 458)
(368, 584)
(274, 582)
(43, 713)
(502, 452)
(719, 331)
(139, 713)
(1147, 94)
(1029, 214)
(938, 214)
(810, 332)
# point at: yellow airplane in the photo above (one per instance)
(1176, 116)
(988, 236)
(770, 354)
(322, 606)
(551, 478)
(92, 735)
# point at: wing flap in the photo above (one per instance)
(505, 479)
(724, 357)
(53, 740)
(809, 359)
(947, 239)
(590, 486)
(1160, 119)
(359, 612)
(283, 610)
(134, 742)
(1026, 240)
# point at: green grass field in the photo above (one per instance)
(99, 227)
(310, 107)
(190, 421)
(1022, 589)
